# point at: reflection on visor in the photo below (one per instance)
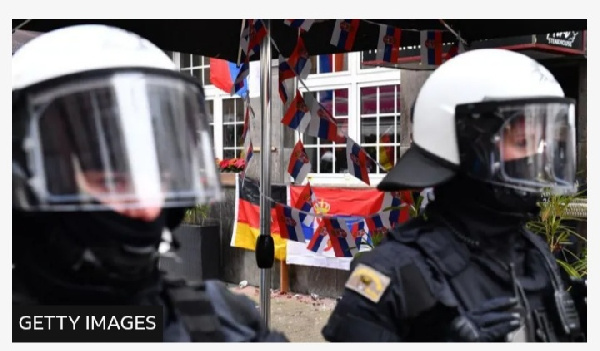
(537, 144)
(131, 140)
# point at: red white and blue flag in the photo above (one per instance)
(322, 124)
(388, 47)
(357, 161)
(299, 164)
(285, 72)
(251, 37)
(246, 120)
(305, 203)
(400, 201)
(378, 224)
(360, 232)
(298, 115)
(340, 237)
(290, 222)
(299, 61)
(228, 77)
(344, 33)
(431, 47)
(303, 24)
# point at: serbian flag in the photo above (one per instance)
(299, 165)
(388, 46)
(357, 161)
(339, 235)
(431, 47)
(322, 124)
(298, 115)
(344, 33)
(290, 222)
(378, 224)
(303, 24)
(305, 203)
(299, 61)
(398, 203)
(285, 72)
(360, 232)
(223, 74)
(252, 36)
(246, 121)
(246, 227)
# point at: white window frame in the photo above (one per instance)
(353, 79)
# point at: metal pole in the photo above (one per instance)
(265, 166)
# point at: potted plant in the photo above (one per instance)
(197, 253)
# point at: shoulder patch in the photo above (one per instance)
(368, 282)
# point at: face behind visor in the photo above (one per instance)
(122, 131)
(495, 116)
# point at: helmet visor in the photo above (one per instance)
(537, 145)
(523, 144)
(129, 140)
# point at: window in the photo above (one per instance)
(322, 64)
(196, 66)
(233, 126)
(327, 156)
(369, 55)
(379, 125)
(211, 120)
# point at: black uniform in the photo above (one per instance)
(438, 272)
(86, 259)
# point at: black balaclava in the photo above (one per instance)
(88, 257)
(483, 213)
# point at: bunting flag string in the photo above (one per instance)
(307, 115)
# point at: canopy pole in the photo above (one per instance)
(265, 165)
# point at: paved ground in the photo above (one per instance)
(300, 317)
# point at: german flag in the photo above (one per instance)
(247, 209)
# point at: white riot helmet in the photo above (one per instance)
(102, 120)
(496, 116)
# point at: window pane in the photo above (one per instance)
(333, 63)
(313, 64)
(368, 56)
(314, 161)
(185, 60)
(197, 73)
(239, 110)
(326, 160)
(368, 100)
(387, 129)
(206, 76)
(238, 134)
(341, 102)
(387, 99)
(368, 130)
(229, 135)
(228, 110)
(341, 161)
(196, 60)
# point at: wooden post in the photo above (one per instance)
(284, 278)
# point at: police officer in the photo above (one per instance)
(492, 133)
(110, 145)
